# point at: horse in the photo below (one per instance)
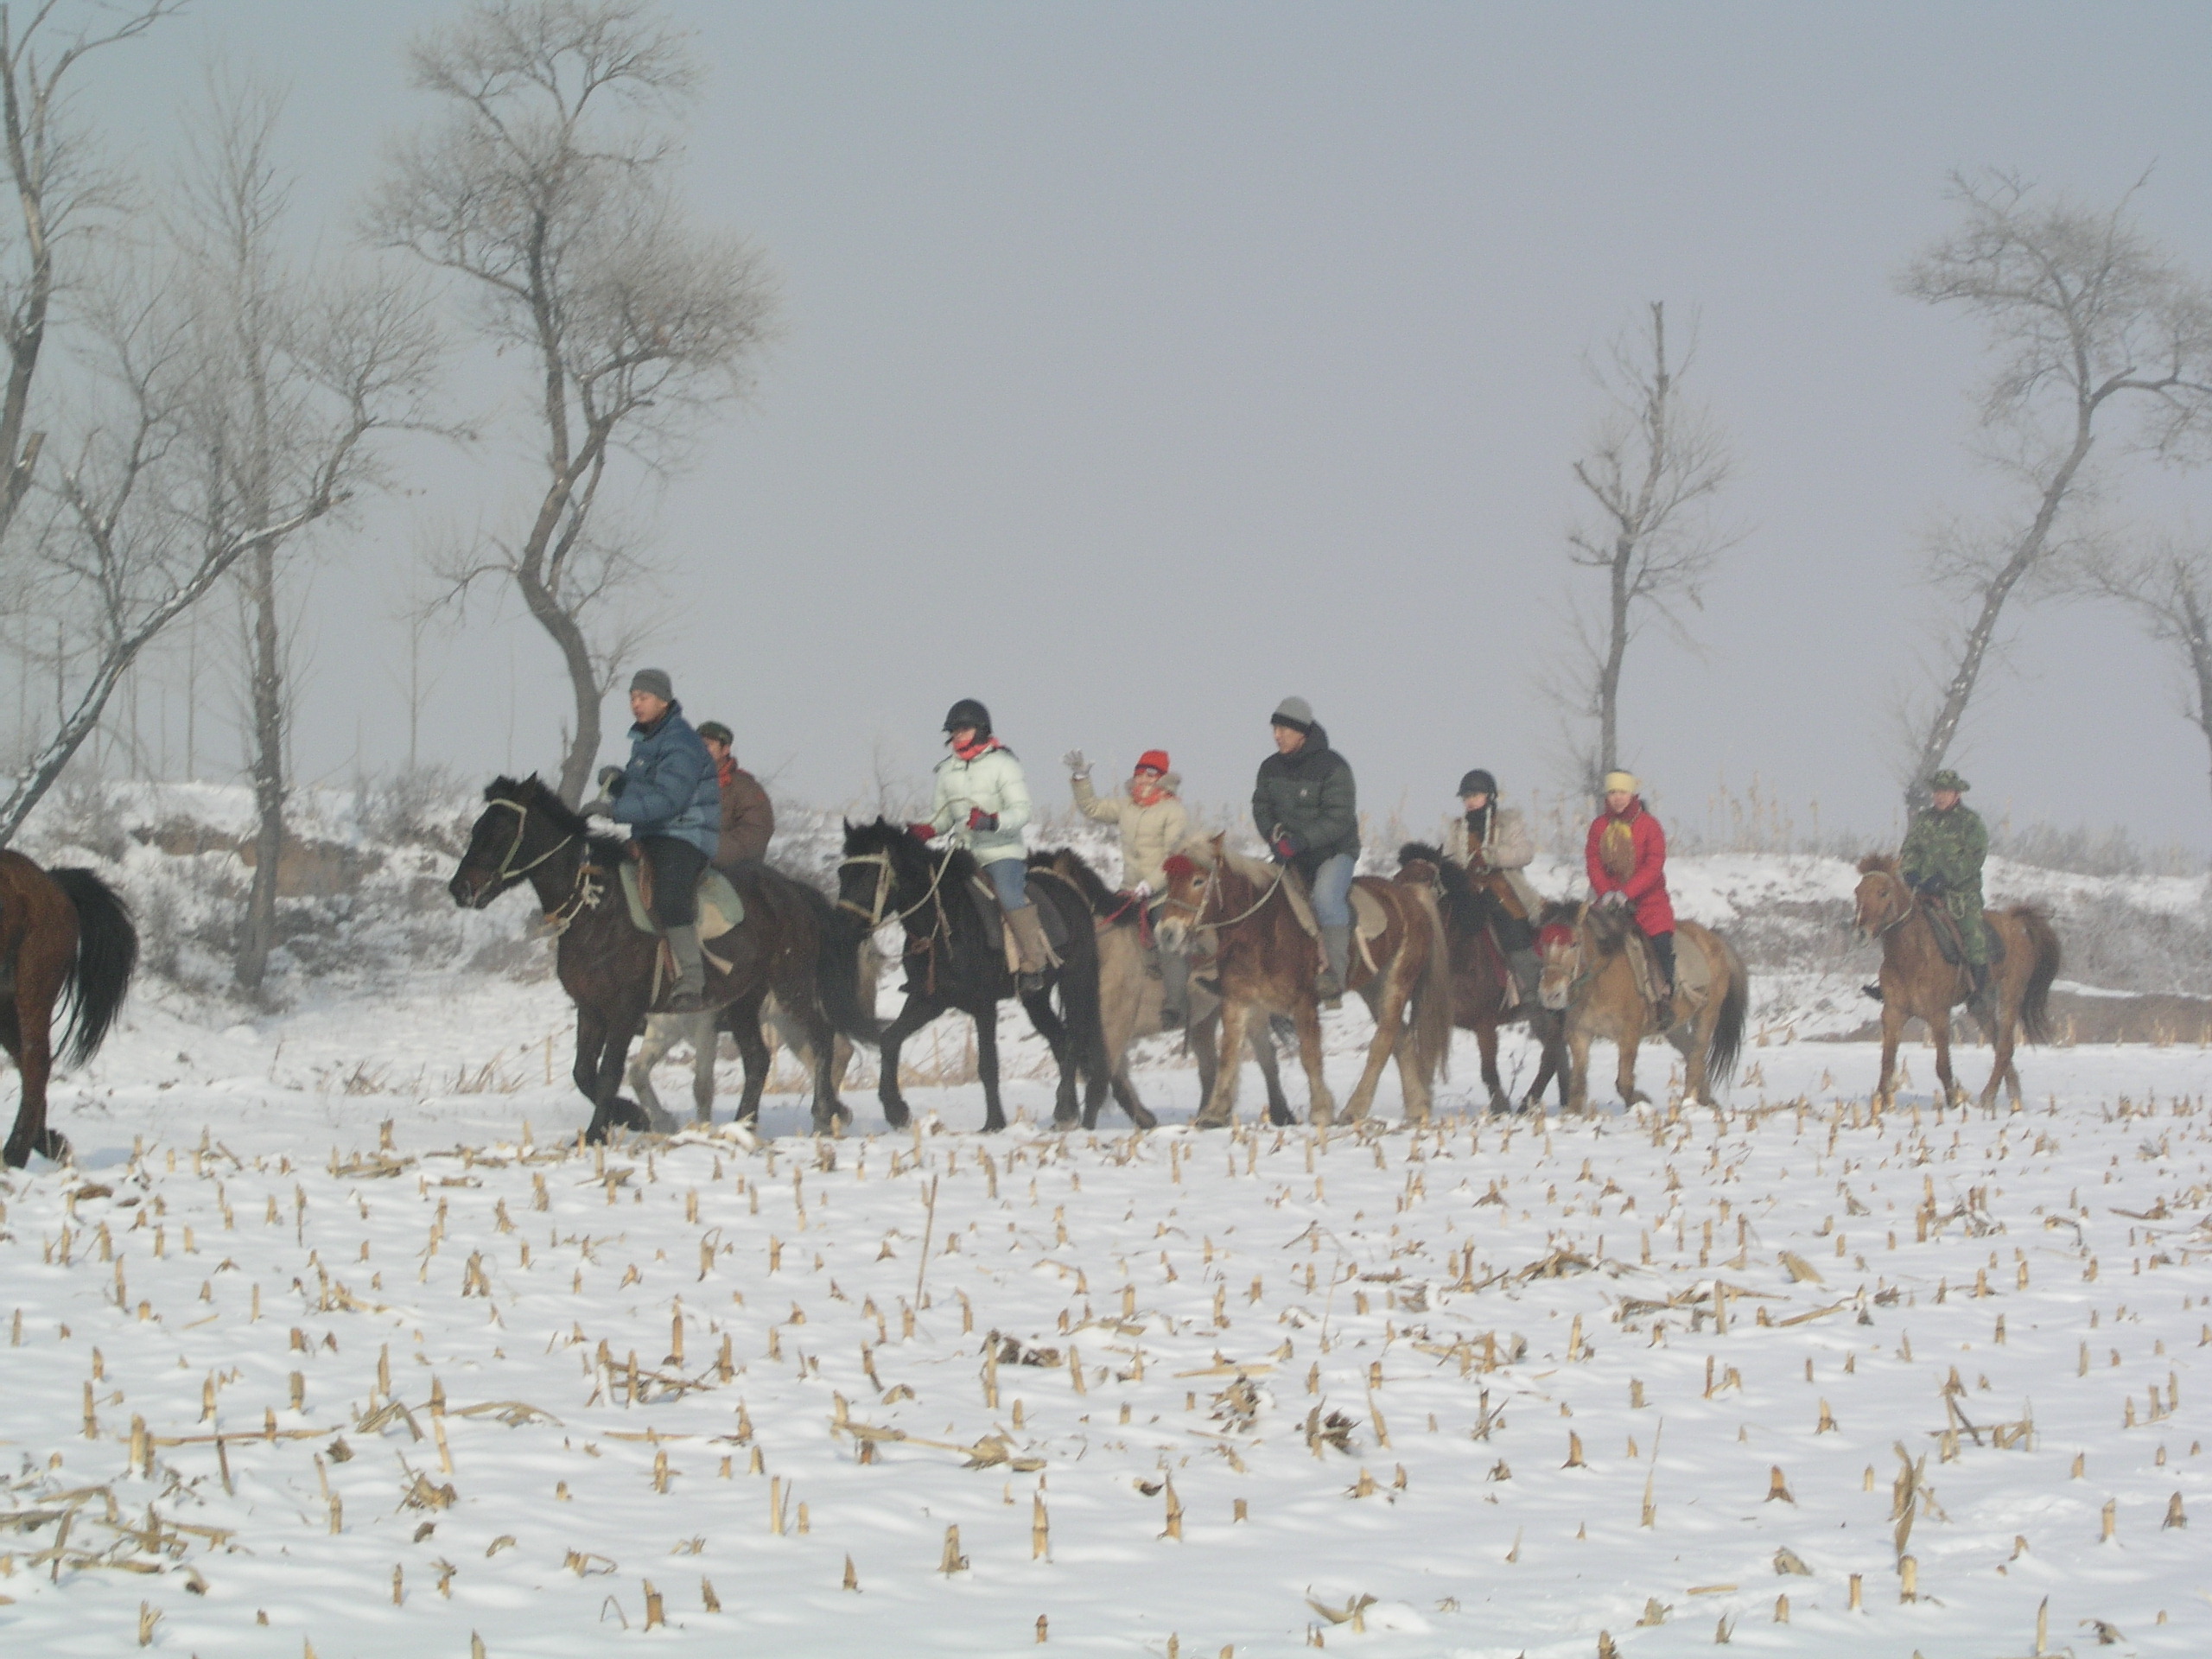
(1266, 962)
(704, 1030)
(1917, 982)
(1130, 993)
(1480, 977)
(955, 959)
(607, 964)
(66, 939)
(1589, 979)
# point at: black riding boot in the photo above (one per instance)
(1662, 947)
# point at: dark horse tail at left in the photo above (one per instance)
(107, 956)
(1727, 1043)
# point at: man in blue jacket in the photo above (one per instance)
(669, 798)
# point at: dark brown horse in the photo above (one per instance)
(1130, 993)
(1481, 982)
(788, 943)
(955, 958)
(1266, 963)
(1918, 983)
(64, 939)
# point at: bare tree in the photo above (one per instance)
(2085, 317)
(59, 189)
(186, 461)
(2170, 589)
(548, 183)
(1655, 462)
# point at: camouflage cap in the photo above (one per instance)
(1948, 779)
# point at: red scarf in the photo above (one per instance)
(1145, 791)
(979, 749)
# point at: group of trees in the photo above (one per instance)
(2099, 340)
(224, 395)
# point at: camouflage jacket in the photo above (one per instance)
(1948, 850)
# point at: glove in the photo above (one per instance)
(979, 819)
(1614, 900)
(1286, 848)
(1928, 886)
(1074, 762)
(611, 779)
(921, 831)
(601, 808)
(1142, 891)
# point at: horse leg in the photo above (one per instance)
(1307, 1016)
(1054, 1031)
(591, 1043)
(662, 1031)
(2002, 1039)
(706, 1037)
(1220, 1108)
(1386, 1001)
(987, 1066)
(1624, 1076)
(1886, 1087)
(753, 1048)
(918, 1011)
(1262, 1044)
(1578, 1071)
(1693, 1069)
(1486, 1041)
(1939, 1028)
(25, 1033)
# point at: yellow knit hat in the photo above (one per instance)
(1626, 780)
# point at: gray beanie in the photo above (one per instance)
(656, 680)
(1294, 712)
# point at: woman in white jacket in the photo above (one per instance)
(982, 802)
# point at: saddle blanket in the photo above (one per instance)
(1369, 919)
(720, 908)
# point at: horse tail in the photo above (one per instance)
(1431, 1011)
(1727, 1043)
(107, 955)
(2035, 1001)
(1080, 987)
(843, 955)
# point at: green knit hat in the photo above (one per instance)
(1948, 779)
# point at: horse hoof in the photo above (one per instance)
(1207, 1120)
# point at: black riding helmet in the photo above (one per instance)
(1478, 782)
(968, 712)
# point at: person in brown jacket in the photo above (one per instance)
(748, 819)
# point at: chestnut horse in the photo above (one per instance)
(1266, 963)
(790, 943)
(1588, 976)
(65, 939)
(1130, 995)
(1480, 978)
(1917, 982)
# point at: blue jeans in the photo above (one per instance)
(1010, 877)
(1331, 886)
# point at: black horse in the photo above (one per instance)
(607, 964)
(955, 960)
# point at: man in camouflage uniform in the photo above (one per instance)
(1941, 861)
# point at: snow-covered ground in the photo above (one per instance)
(1477, 1374)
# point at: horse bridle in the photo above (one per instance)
(873, 915)
(1904, 914)
(584, 896)
(1199, 910)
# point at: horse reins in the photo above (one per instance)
(583, 895)
(1198, 920)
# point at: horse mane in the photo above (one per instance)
(1878, 863)
(1423, 851)
(906, 854)
(1558, 912)
(1251, 869)
(1073, 868)
(535, 794)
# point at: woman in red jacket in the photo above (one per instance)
(1627, 858)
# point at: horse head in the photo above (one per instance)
(523, 823)
(1882, 900)
(1559, 944)
(1190, 869)
(885, 873)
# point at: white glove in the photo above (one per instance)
(602, 808)
(1074, 762)
(1613, 900)
(1143, 890)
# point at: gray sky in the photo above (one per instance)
(1144, 364)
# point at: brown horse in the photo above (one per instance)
(1481, 980)
(1130, 995)
(788, 943)
(1588, 976)
(1266, 963)
(65, 939)
(1917, 982)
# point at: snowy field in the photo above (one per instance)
(281, 1380)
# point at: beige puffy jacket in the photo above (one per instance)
(1508, 847)
(1149, 834)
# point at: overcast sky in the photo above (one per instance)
(1143, 365)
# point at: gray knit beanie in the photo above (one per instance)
(1294, 712)
(656, 680)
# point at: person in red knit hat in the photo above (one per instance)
(1152, 823)
(1626, 856)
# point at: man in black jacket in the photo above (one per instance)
(1308, 809)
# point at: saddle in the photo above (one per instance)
(1369, 919)
(994, 927)
(720, 908)
(1950, 940)
(1693, 973)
